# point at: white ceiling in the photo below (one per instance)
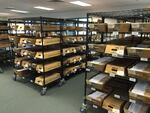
(65, 9)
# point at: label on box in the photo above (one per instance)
(115, 110)
(117, 96)
(144, 59)
(93, 89)
(135, 33)
(94, 106)
(112, 75)
(132, 101)
(121, 73)
(88, 70)
(132, 79)
(120, 52)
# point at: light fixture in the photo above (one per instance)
(80, 3)
(4, 14)
(43, 8)
(19, 11)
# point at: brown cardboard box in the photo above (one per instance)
(3, 27)
(97, 98)
(98, 47)
(4, 36)
(143, 52)
(140, 92)
(71, 70)
(113, 104)
(100, 64)
(47, 66)
(27, 40)
(140, 70)
(69, 50)
(18, 61)
(24, 52)
(47, 54)
(100, 82)
(145, 27)
(136, 27)
(101, 27)
(118, 67)
(22, 73)
(115, 50)
(26, 63)
(74, 59)
(136, 108)
(111, 27)
(47, 41)
(48, 79)
(45, 27)
(5, 44)
(74, 28)
(81, 48)
(122, 27)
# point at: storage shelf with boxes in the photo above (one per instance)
(74, 47)
(37, 47)
(117, 68)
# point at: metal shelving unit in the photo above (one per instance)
(38, 50)
(74, 39)
(110, 94)
(5, 45)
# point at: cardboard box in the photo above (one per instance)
(74, 59)
(145, 27)
(45, 27)
(26, 63)
(101, 27)
(69, 50)
(136, 108)
(22, 73)
(5, 44)
(118, 67)
(98, 47)
(4, 36)
(113, 105)
(140, 70)
(100, 64)
(140, 92)
(81, 48)
(47, 54)
(96, 38)
(18, 61)
(122, 27)
(141, 27)
(100, 82)
(47, 66)
(47, 41)
(71, 70)
(72, 39)
(17, 51)
(48, 79)
(97, 98)
(136, 27)
(3, 27)
(139, 51)
(111, 27)
(115, 50)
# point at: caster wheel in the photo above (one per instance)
(43, 92)
(1, 70)
(82, 110)
(61, 83)
(14, 78)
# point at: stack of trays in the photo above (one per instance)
(140, 70)
(136, 108)
(140, 92)
(97, 98)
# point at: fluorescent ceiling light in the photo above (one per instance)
(80, 3)
(43, 8)
(4, 14)
(19, 11)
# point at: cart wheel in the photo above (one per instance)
(83, 108)
(14, 78)
(43, 91)
(61, 83)
(1, 70)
